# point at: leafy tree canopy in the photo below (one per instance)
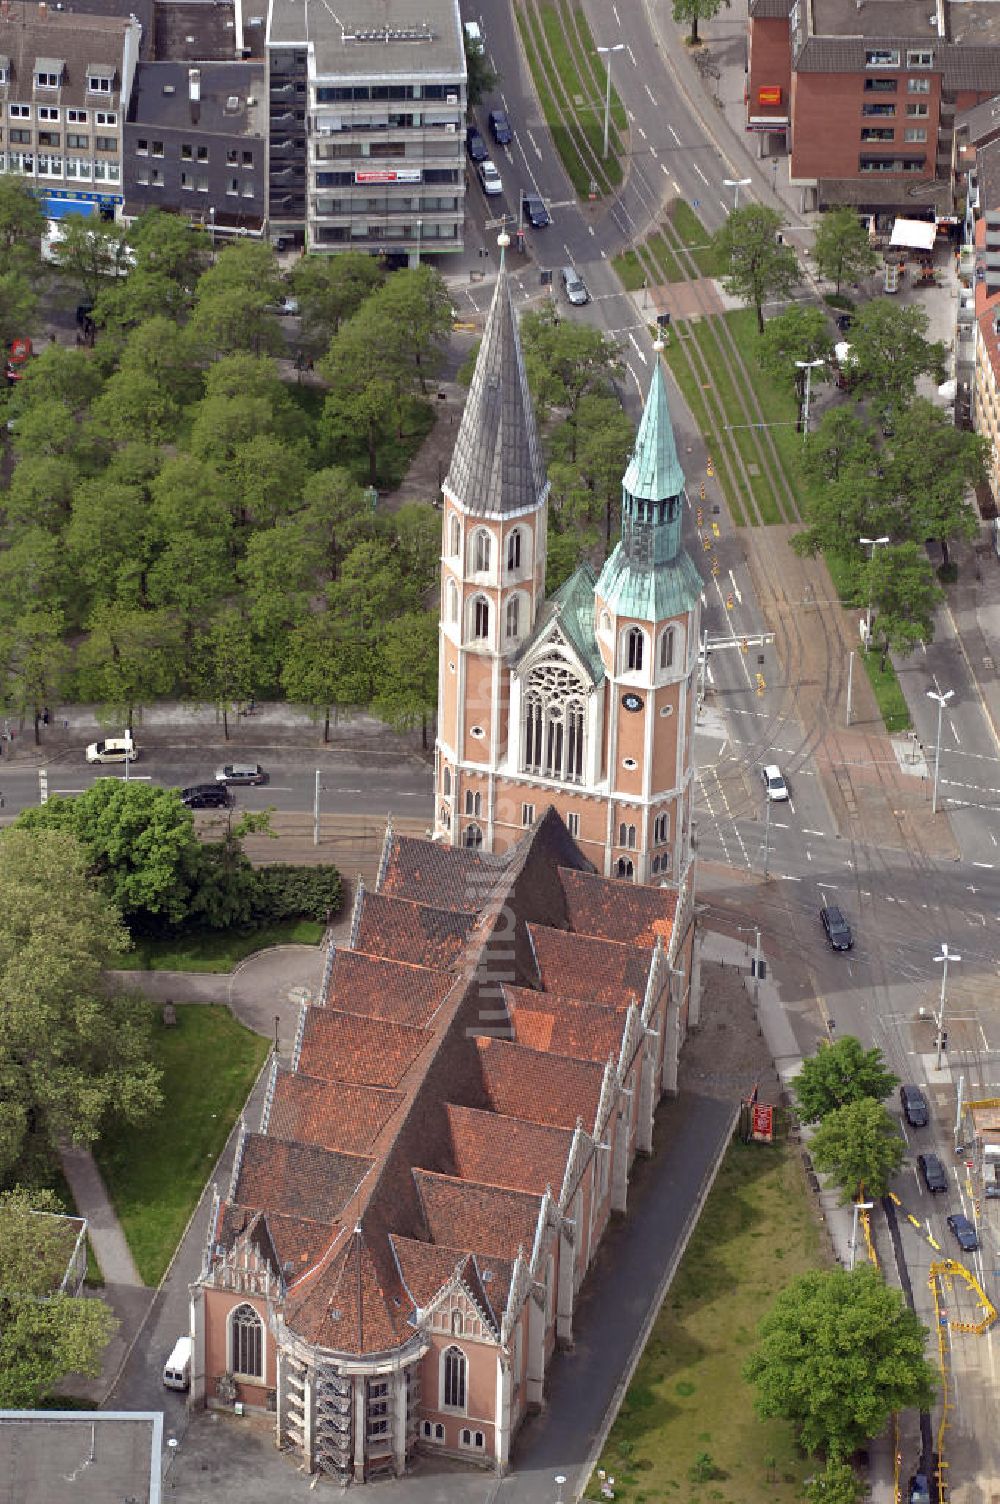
(859, 1146)
(842, 249)
(690, 12)
(800, 332)
(761, 266)
(840, 1073)
(890, 350)
(900, 583)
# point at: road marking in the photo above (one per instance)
(666, 173)
(674, 134)
(631, 54)
(820, 833)
(736, 588)
(677, 186)
(615, 9)
(987, 865)
(788, 878)
(534, 143)
(700, 173)
(642, 133)
(652, 96)
(954, 733)
(638, 348)
(653, 153)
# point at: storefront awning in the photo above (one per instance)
(58, 208)
(914, 234)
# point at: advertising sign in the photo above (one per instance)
(770, 94)
(388, 175)
(762, 1122)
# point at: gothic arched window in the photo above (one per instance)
(479, 618)
(456, 1324)
(473, 837)
(513, 616)
(452, 601)
(554, 723)
(626, 836)
(455, 536)
(482, 551)
(514, 551)
(246, 1343)
(667, 648)
(624, 867)
(473, 802)
(446, 783)
(635, 643)
(454, 1367)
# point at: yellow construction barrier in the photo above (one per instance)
(948, 1270)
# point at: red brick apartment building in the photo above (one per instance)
(863, 95)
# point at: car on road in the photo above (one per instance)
(490, 178)
(934, 1173)
(914, 1105)
(534, 211)
(475, 145)
(838, 931)
(774, 785)
(113, 749)
(206, 796)
(241, 772)
(964, 1231)
(574, 287)
(919, 1491)
(285, 308)
(500, 128)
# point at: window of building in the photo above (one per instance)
(514, 551)
(473, 802)
(248, 189)
(187, 182)
(19, 137)
(626, 836)
(156, 177)
(473, 837)
(246, 1343)
(101, 117)
(877, 133)
(634, 643)
(917, 111)
(233, 187)
(573, 824)
(105, 143)
(554, 723)
(47, 80)
(48, 112)
(446, 783)
(667, 648)
(891, 164)
(20, 111)
(454, 536)
(624, 867)
(248, 159)
(527, 815)
(920, 59)
(452, 594)
(882, 57)
(877, 110)
(78, 140)
(202, 154)
(141, 147)
(77, 117)
(513, 614)
(454, 1368)
(187, 152)
(915, 133)
(457, 1324)
(474, 1439)
(481, 551)
(100, 85)
(201, 183)
(605, 623)
(432, 1430)
(661, 829)
(232, 157)
(880, 85)
(918, 86)
(142, 177)
(157, 147)
(480, 619)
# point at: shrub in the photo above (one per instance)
(288, 892)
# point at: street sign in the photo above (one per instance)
(696, 203)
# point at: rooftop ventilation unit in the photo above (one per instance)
(233, 102)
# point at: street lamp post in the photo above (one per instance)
(873, 544)
(736, 184)
(607, 51)
(808, 366)
(942, 700)
(945, 956)
(420, 236)
(858, 1208)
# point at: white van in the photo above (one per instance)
(177, 1368)
(474, 36)
(114, 749)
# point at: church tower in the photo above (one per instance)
(492, 576)
(647, 603)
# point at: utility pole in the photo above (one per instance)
(873, 544)
(857, 1207)
(316, 810)
(767, 833)
(942, 700)
(606, 52)
(850, 684)
(958, 1113)
(808, 366)
(756, 967)
(945, 956)
(736, 184)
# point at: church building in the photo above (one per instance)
(586, 700)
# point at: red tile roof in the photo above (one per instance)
(427, 1267)
(348, 1305)
(521, 1082)
(407, 931)
(617, 911)
(507, 1151)
(297, 1243)
(484, 1218)
(595, 971)
(334, 1115)
(379, 988)
(298, 1180)
(563, 1026)
(366, 1051)
(450, 877)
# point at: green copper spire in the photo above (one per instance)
(654, 471)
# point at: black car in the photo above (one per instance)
(206, 796)
(919, 1491)
(534, 211)
(914, 1105)
(933, 1171)
(475, 145)
(838, 931)
(964, 1231)
(500, 128)
(844, 321)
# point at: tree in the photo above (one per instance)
(235, 298)
(482, 78)
(44, 1334)
(416, 306)
(329, 290)
(930, 468)
(859, 1146)
(138, 841)
(838, 1353)
(900, 583)
(693, 11)
(169, 255)
(842, 248)
(329, 663)
(838, 1483)
(229, 668)
(72, 1054)
(847, 499)
(889, 351)
(89, 251)
(798, 333)
(366, 379)
(22, 225)
(588, 458)
(129, 657)
(406, 680)
(761, 266)
(33, 663)
(838, 1074)
(566, 361)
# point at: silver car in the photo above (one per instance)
(574, 287)
(240, 772)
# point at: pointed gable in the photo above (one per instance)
(524, 1083)
(299, 1180)
(566, 621)
(347, 1304)
(564, 1026)
(496, 469)
(505, 1151)
(595, 971)
(482, 1218)
(426, 1268)
(618, 911)
(397, 990)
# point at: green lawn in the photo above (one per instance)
(579, 92)
(218, 950)
(688, 1400)
(563, 141)
(888, 693)
(155, 1174)
(710, 262)
(695, 397)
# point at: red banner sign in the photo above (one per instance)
(771, 94)
(762, 1122)
(389, 175)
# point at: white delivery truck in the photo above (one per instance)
(177, 1368)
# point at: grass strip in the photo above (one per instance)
(588, 50)
(687, 1429)
(689, 382)
(563, 141)
(155, 1174)
(709, 261)
(888, 692)
(218, 950)
(743, 439)
(579, 98)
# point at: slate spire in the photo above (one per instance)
(654, 472)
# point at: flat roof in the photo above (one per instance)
(193, 32)
(92, 1456)
(873, 18)
(160, 97)
(401, 39)
(978, 25)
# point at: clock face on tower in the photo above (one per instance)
(632, 702)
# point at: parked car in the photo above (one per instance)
(774, 785)
(574, 287)
(287, 308)
(535, 212)
(475, 145)
(838, 931)
(113, 749)
(206, 796)
(500, 128)
(965, 1232)
(914, 1105)
(844, 322)
(241, 772)
(933, 1171)
(919, 1491)
(490, 178)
